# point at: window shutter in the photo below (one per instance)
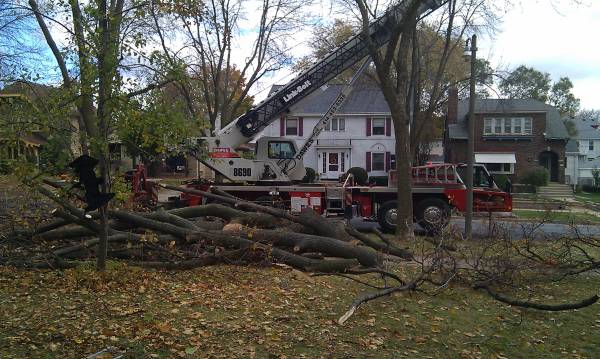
(368, 126)
(388, 126)
(388, 161)
(282, 125)
(300, 126)
(368, 161)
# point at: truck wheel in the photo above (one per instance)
(387, 216)
(433, 214)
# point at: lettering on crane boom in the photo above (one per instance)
(290, 95)
(320, 126)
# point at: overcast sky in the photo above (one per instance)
(553, 36)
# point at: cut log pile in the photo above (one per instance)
(228, 230)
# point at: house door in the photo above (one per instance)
(333, 164)
(549, 160)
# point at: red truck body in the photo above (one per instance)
(437, 189)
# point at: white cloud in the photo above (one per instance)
(555, 36)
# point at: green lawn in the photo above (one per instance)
(243, 312)
(554, 216)
(592, 197)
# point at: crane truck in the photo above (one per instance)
(274, 175)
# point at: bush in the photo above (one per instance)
(590, 189)
(379, 180)
(536, 178)
(6, 166)
(501, 181)
(310, 175)
(361, 177)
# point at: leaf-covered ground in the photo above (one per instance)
(238, 312)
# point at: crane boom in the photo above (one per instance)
(249, 125)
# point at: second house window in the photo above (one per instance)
(378, 126)
(291, 127)
(336, 124)
(378, 161)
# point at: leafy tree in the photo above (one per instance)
(101, 37)
(562, 98)
(155, 125)
(526, 83)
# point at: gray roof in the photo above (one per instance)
(555, 128)
(363, 99)
(585, 131)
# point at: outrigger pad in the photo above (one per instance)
(84, 168)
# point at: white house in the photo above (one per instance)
(361, 135)
(583, 152)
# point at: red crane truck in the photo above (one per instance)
(274, 175)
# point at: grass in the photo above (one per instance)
(230, 312)
(558, 217)
(591, 197)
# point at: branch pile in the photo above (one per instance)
(229, 230)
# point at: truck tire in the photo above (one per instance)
(387, 216)
(433, 214)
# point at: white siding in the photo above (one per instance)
(354, 135)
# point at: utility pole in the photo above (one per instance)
(471, 138)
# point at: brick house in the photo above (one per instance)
(512, 136)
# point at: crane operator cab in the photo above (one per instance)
(274, 162)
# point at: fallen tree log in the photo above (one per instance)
(385, 248)
(280, 255)
(311, 243)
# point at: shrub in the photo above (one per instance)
(379, 180)
(310, 175)
(590, 189)
(536, 178)
(361, 176)
(596, 175)
(501, 180)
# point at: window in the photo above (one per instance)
(378, 126)
(528, 126)
(516, 126)
(504, 168)
(291, 127)
(281, 150)
(487, 127)
(378, 161)
(393, 161)
(114, 150)
(498, 126)
(336, 124)
(591, 145)
(508, 126)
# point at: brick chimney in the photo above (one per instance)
(452, 112)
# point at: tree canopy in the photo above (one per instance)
(528, 83)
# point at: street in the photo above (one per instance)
(508, 228)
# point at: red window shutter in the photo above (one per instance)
(282, 125)
(368, 161)
(368, 126)
(300, 126)
(388, 161)
(388, 126)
